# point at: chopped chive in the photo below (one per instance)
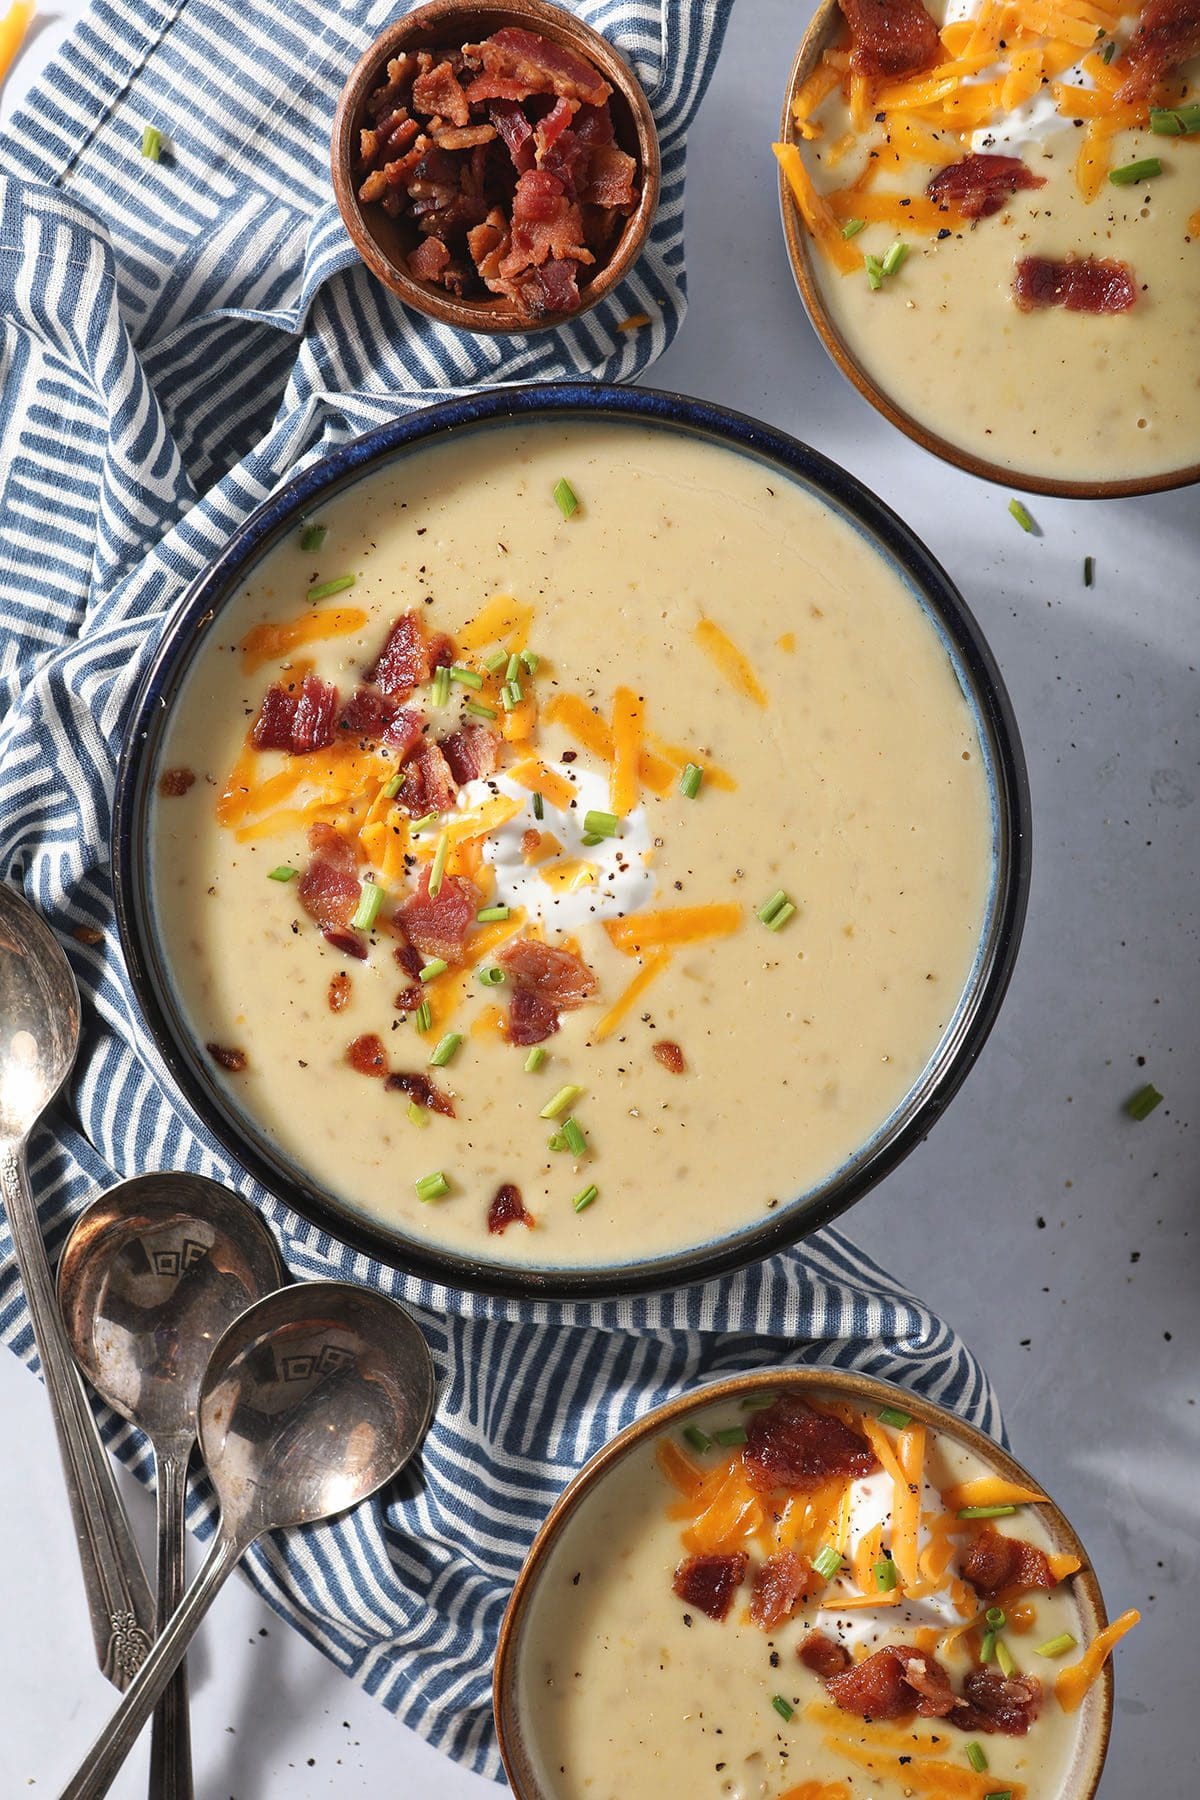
(697, 1438)
(535, 1059)
(423, 823)
(601, 824)
(999, 1794)
(556, 1141)
(495, 662)
(590, 839)
(367, 911)
(885, 1575)
(423, 1017)
(690, 780)
(1089, 571)
(465, 677)
(1008, 1667)
(565, 1097)
(1143, 1102)
(438, 868)
(996, 1618)
(489, 914)
(977, 1758)
(439, 693)
(492, 976)
(510, 696)
(513, 670)
(874, 269)
(1057, 1646)
(393, 787)
(986, 1512)
(729, 1435)
(478, 710)
(894, 258)
(437, 965)
(827, 1561)
(987, 1648)
(757, 1402)
(781, 917)
(530, 660)
(852, 227)
(584, 1197)
(891, 1415)
(1022, 515)
(1175, 121)
(566, 497)
(445, 1050)
(417, 1115)
(575, 1141)
(1130, 173)
(432, 1187)
(769, 908)
(539, 807)
(783, 1707)
(284, 872)
(1109, 51)
(313, 536)
(152, 143)
(338, 585)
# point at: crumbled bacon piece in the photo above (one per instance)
(823, 1655)
(367, 1055)
(890, 38)
(409, 958)
(508, 1208)
(403, 734)
(670, 1056)
(546, 224)
(513, 58)
(438, 91)
(531, 1017)
(438, 924)
(709, 1582)
(978, 186)
(428, 786)
(421, 1090)
(516, 131)
(272, 729)
(998, 1562)
(295, 722)
(1167, 34)
(404, 662)
(780, 1584)
(992, 1702)
(173, 783)
(875, 1688)
(610, 178)
(233, 1060)
(928, 1680)
(409, 998)
(329, 889)
(428, 260)
(367, 713)
(549, 969)
(472, 752)
(790, 1445)
(1088, 284)
(339, 991)
(340, 937)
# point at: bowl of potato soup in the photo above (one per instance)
(572, 841)
(805, 1585)
(991, 211)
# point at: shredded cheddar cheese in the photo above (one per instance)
(1071, 1684)
(652, 968)
(676, 925)
(268, 643)
(13, 27)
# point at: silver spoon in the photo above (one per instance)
(151, 1275)
(39, 1033)
(313, 1399)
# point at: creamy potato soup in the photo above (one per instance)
(1007, 239)
(627, 882)
(789, 1598)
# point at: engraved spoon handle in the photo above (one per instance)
(100, 1767)
(118, 1594)
(171, 1737)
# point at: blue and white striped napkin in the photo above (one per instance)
(178, 338)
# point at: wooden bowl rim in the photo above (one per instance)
(431, 26)
(800, 255)
(871, 1392)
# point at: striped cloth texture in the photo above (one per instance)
(179, 337)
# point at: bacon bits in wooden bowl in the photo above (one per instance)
(496, 165)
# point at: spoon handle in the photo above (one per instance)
(171, 1737)
(118, 1593)
(99, 1768)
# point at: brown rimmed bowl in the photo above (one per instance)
(384, 242)
(1095, 1715)
(801, 251)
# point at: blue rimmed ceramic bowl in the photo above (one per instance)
(977, 676)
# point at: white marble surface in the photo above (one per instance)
(1058, 1235)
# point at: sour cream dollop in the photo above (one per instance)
(871, 1506)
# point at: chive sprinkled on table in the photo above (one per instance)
(1022, 515)
(152, 143)
(1143, 1103)
(1089, 571)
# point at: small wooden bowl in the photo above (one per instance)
(825, 23)
(1083, 1776)
(384, 242)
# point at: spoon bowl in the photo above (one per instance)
(39, 1004)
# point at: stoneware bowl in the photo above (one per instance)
(253, 1146)
(384, 242)
(510, 1672)
(826, 23)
